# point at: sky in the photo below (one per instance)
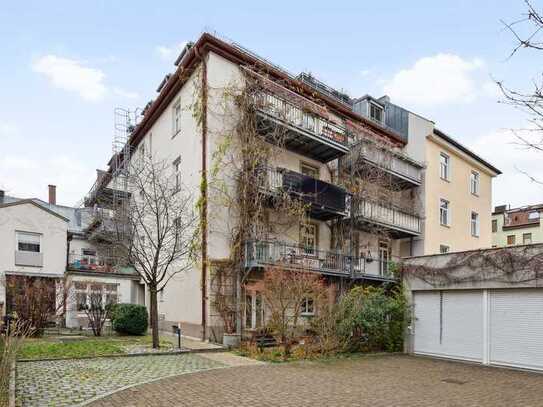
(66, 65)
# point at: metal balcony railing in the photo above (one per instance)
(326, 200)
(316, 136)
(387, 216)
(92, 263)
(407, 171)
(262, 253)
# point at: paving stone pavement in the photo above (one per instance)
(71, 382)
(376, 381)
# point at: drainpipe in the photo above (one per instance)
(204, 194)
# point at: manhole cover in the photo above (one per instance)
(453, 381)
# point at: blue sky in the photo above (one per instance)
(65, 66)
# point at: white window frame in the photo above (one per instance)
(524, 235)
(308, 307)
(474, 224)
(19, 233)
(177, 173)
(444, 167)
(447, 210)
(474, 183)
(377, 106)
(444, 248)
(309, 250)
(176, 117)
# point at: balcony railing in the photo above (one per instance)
(326, 200)
(310, 134)
(398, 221)
(92, 263)
(408, 172)
(262, 253)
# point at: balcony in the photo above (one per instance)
(306, 133)
(405, 172)
(369, 214)
(91, 263)
(263, 253)
(325, 201)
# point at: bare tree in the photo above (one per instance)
(286, 293)
(156, 228)
(97, 307)
(527, 32)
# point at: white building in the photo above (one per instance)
(48, 241)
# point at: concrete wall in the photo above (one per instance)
(461, 202)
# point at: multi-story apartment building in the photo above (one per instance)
(369, 175)
(517, 226)
(50, 242)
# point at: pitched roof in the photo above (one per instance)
(33, 202)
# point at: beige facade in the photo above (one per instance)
(383, 228)
(518, 226)
(466, 224)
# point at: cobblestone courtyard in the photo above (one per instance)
(70, 382)
(377, 381)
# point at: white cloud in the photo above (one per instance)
(73, 76)
(169, 53)
(125, 93)
(503, 150)
(436, 80)
(28, 176)
(8, 130)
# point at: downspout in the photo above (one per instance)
(203, 192)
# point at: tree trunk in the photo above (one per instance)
(154, 318)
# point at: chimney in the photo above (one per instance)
(52, 194)
(2, 194)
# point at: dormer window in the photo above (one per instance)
(533, 215)
(376, 112)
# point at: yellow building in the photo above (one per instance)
(517, 226)
(457, 196)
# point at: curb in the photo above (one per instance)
(12, 383)
(125, 355)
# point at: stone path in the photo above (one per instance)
(71, 382)
(375, 381)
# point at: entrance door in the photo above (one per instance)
(254, 311)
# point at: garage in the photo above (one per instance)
(498, 327)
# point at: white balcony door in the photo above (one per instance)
(254, 310)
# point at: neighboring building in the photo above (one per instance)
(334, 147)
(518, 226)
(49, 241)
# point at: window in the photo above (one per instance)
(376, 112)
(533, 215)
(28, 242)
(308, 237)
(474, 183)
(444, 217)
(511, 239)
(309, 170)
(81, 296)
(141, 150)
(475, 224)
(444, 248)
(526, 238)
(254, 310)
(384, 258)
(444, 166)
(308, 306)
(494, 225)
(176, 117)
(177, 173)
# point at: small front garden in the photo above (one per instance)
(81, 346)
(362, 320)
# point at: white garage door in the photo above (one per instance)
(449, 324)
(516, 328)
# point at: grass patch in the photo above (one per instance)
(58, 348)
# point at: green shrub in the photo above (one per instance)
(371, 319)
(131, 319)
